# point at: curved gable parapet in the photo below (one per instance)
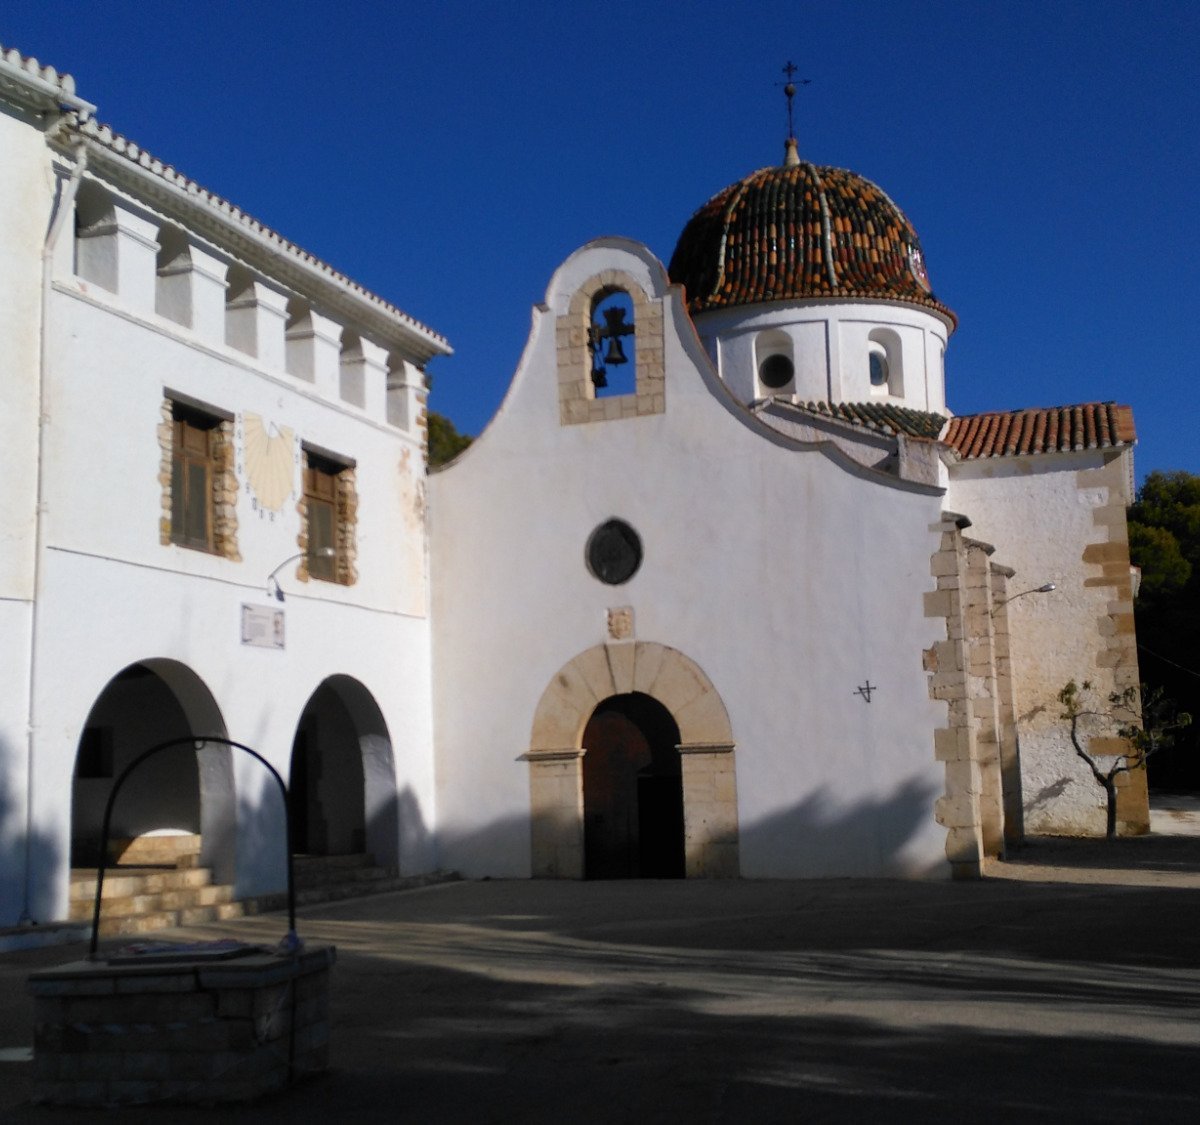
(607, 254)
(552, 389)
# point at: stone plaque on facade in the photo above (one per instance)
(262, 627)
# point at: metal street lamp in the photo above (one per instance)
(319, 553)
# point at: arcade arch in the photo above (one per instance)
(342, 781)
(173, 793)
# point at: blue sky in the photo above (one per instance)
(449, 155)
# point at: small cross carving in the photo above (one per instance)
(866, 689)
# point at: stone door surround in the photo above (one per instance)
(706, 748)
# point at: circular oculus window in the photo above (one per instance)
(614, 552)
(776, 371)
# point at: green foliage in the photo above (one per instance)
(1171, 501)
(445, 442)
(1164, 540)
(1164, 533)
(1165, 572)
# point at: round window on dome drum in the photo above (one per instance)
(776, 372)
(614, 552)
(879, 369)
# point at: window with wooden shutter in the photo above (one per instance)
(192, 472)
(321, 499)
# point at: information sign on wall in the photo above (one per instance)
(262, 627)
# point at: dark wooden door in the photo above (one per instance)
(632, 792)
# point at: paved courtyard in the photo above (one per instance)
(1063, 988)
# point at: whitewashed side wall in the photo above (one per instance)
(1051, 518)
(788, 577)
(26, 195)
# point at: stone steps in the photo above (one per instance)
(123, 882)
(316, 872)
(331, 862)
(335, 892)
(142, 899)
(138, 900)
(155, 851)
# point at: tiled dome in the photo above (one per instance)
(800, 231)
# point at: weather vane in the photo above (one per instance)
(789, 89)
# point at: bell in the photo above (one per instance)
(615, 355)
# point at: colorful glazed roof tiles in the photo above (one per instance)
(1053, 429)
(796, 232)
(880, 416)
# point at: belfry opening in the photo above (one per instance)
(632, 791)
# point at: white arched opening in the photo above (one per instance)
(342, 780)
(885, 362)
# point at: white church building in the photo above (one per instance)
(724, 589)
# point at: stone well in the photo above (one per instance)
(125, 1031)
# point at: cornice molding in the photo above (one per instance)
(123, 163)
(24, 81)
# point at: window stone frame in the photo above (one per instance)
(346, 516)
(224, 479)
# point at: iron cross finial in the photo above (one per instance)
(789, 90)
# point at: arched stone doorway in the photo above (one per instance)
(632, 791)
(705, 748)
(342, 782)
(176, 792)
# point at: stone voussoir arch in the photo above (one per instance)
(706, 747)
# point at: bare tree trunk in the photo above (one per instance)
(1110, 791)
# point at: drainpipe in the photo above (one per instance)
(64, 210)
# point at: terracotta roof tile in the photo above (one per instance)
(1052, 429)
(881, 416)
(800, 231)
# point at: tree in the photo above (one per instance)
(1164, 541)
(445, 442)
(1165, 572)
(1164, 534)
(1142, 731)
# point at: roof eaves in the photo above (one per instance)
(38, 87)
(1077, 428)
(178, 195)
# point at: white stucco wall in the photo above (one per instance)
(113, 594)
(787, 576)
(26, 195)
(1040, 515)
